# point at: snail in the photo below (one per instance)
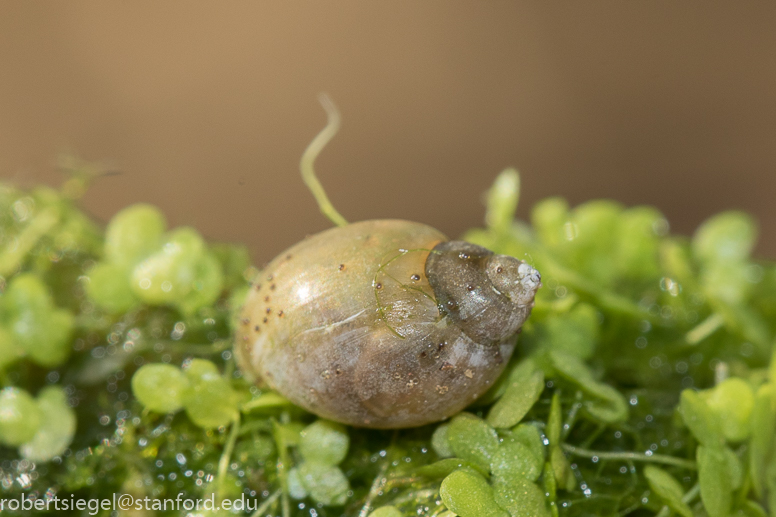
(382, 323)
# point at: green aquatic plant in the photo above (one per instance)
(644, 382)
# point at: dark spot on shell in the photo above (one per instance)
(341, 267)
(441, 345)
(272, 287)
(280, 314)
(470, 288)
(269, 309)
(338, 371)
(423, 354)
(246, 321)
(499, 269)
(266, 320)
(258, 287)
(266, 298)
(452, 304)
(288, 257)
(256, 328)
(415, 277)
(378, 285)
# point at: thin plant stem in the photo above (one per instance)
(223, 461)
(631, 456)
(377, 485)
(282, 468)
(380, 480)
(312, 152)
(704, 329)
(261, 510)
(692, 493)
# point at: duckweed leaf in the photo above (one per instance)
(549, 219)
(560, 465)
(160, 387)
(502, 201)
(668, 489)
(442, 468)
(519, 398)
(574, 332)
(514, 460)
(725, 237)
(530, 436)
(386, 511)
(716, 482)
(521, 498)
(554, 420)
(638, 242)
(295, 487)
(56, 429)
(472, 439)
(108, 286)
(326, 484)
(468, 494)
(133, 234)
(20, 416)
(698, 417)
(208, 398)
(735, 468)
(750, 509)
(324, 442)
(440, 441)
(611, 406)
(763, 431)
(513, 373)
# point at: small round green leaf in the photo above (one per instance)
(324, 442)
(715, 480)
(386, 511)
(56, 429)
(326, 484)
(731, 402)
(440, 441)
(208, 399)
(521, 497)
(133, 234)
(699, 419)
(108, 286)
(20, 416)
(520, 396)
(514, 460)
(668, 489)
(160, 387)
(468, 494)
(726, 237)
(472, 439)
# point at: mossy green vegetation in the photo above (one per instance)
(644, 382)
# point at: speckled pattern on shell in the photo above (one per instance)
(345, 324)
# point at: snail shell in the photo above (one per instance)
(384, 324)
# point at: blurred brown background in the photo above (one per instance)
(207, 106)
